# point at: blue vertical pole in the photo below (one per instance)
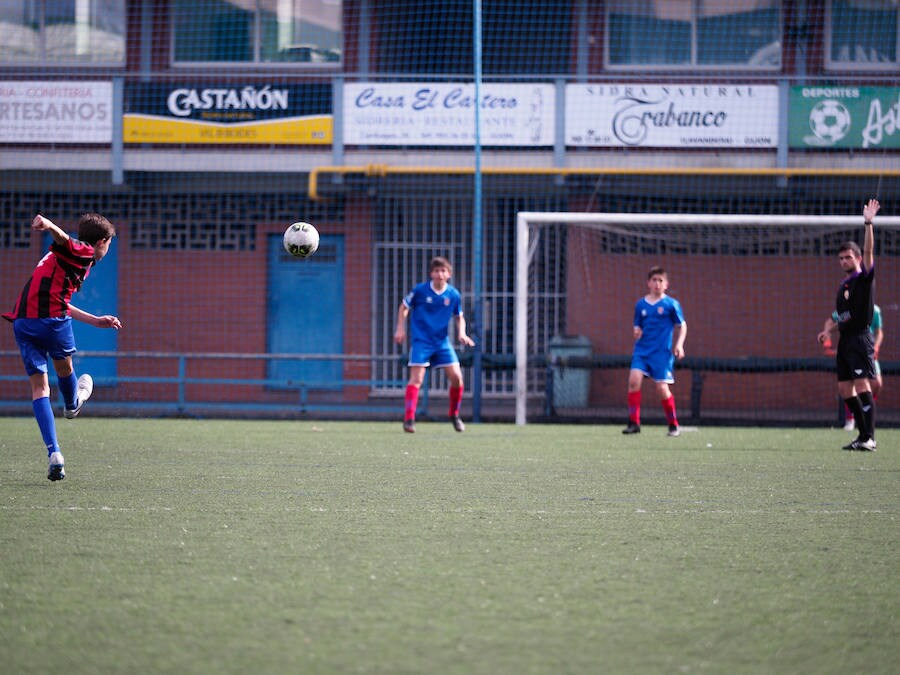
(116, 147)
(477, 225)
(784, 112)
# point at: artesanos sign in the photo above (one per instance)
(390, 113)
(672, 115)
(835, 116)
(55, 112)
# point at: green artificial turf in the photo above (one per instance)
(195, 546)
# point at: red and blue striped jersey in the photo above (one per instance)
(55, 278)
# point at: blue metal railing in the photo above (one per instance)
(181, 402)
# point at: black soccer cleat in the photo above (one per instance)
(852, 445)
(56, 469)
(862, 445)
(457, 423)
(409, 426)
(632, 428)
(674, 430)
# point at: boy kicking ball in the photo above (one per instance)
(42, 323)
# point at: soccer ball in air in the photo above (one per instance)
(301, 240)
(829, 120)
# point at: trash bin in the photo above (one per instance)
(571, 386)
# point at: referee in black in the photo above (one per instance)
(856, 350)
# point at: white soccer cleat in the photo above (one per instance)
(850, 424)
(82, 394)
(868, 445)
(56, 470)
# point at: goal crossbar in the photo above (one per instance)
(525, 220)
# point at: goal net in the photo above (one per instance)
(755, 289)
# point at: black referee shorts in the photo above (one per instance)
(855, 356)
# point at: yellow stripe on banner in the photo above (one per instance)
(313, 130)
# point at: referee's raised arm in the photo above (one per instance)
(868, 252)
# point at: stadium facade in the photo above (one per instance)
(204, 129)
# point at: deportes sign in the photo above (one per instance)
(55, 112)
(845, 117)
(672, 115)
(391, 113)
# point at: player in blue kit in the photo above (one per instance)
(431, 305)
(659, 333)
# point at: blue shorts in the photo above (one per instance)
(658, 366)
(40, 339)
(427, 354)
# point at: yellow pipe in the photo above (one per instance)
(382, 170)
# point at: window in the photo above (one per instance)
(519, 37)
(863, 34)
(76, 32)
(257, 31)
(691, 33)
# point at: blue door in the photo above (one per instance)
(306, 312)
(98, 295)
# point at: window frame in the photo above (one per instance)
(857, 66)
(692, 66)
(256, 64)
(41, 61)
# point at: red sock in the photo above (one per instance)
(410, 401)
(634, 407)
(669, 408)
(455, 399)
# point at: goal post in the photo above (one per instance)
(759, 239)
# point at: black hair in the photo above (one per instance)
(851, 246)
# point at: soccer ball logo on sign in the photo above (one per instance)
(301, 240)
(830, 121)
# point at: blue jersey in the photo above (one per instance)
(657, 322)
(430, 312)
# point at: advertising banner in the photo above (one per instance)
(55, 112)
(265, 114)
(835, 116)
(672, 115)
(416, 113)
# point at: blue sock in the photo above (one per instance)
(67, 387)
(43, 413)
